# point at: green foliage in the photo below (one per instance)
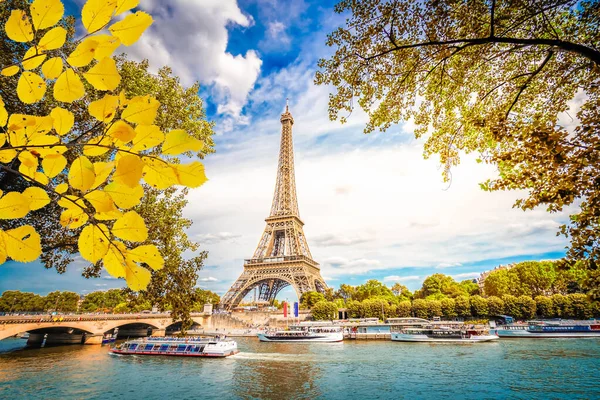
(469, 287)
(580, 305)
(479, 306)
(324, 310)
(448, 308)
(372, 288)
(526, 307)
(495, 305)
(434, 308)
(420, 308)
(562, 306)
(404, 309)
(544, 307)
(510, 305)
(486, 77)
(462, 306)
(309, 299)
(16, 301)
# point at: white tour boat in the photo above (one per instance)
(442, 335)
(549, 329)
(312, 334)
(175, 346)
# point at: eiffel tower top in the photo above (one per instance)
(285, 202)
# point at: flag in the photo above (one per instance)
(296, 309)
(285, 310)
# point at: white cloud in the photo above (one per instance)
(396, 278)
(330, 239)
(448, 265)
(209, 279)
(466, 275)
(191, 37)
(211, 238)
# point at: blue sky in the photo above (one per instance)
(373, 207)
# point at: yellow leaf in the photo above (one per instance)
(121, 130)
(101, 201)
(190, 175)
(38, 197)
(23, 243)
(137, 277)
(131, 27)
(52, 67)
(83, 53)
(17, 138)
(63, 120)
(54, 165)
(147, 254)
(61, 188)
(41, 126)
(2, 141)
(92, 243)
(3, 254)
(159, 174)
(104, 75)
(147, 136)
(69, 201)
(130, 227)
(14, 205)
(27, 171)
(73, 218)
(129, 170)
(50, 145)
(124, 196)
(41, 178)
(18, 27)
(68, 87)
(7, 155)
(33, 58)
(81, 174)
(104, 109)
(46, 13)
(3, 114)
(53, 39)
(10, 71)
(141, 110)
(107, 216)
(18, 121)
(114, 260)
(97, 13)
(107, 44)
(178, 141)
(102, 171)
(125, 5)
(27, 159)
(97, 146)
(31, 87)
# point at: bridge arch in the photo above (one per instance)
(14, 329)
(269, 284)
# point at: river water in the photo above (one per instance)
(515, 369)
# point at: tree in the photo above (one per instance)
(462, 306)
(372, 288)
(324, 310)
(93, 154)
(580, 305)
(309, 299)
(562, 306)
(16, 301)
(403, 309)
(420, 309)
(526, 307)
(92, 302)
(470, 287)
(497, 283)
(401, 292)
(544, 307)
(61, 301)
(479, 306)
(534, 277)
(448, 308)
(438, 286)
(346, 292)
(510, 306)
(495, 306)
(434, 308)
(355, 309)
(485, 76)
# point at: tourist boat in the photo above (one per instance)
(312, 334)
(549, 329)
(108, 338)
(174, 346)
(442, 335)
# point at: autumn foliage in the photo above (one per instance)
(95, 176)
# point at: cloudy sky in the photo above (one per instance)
(373, 207)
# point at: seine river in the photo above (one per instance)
(514, 369)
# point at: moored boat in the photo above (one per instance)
(549, 329)
(442, 335)
(174, 346)
(312, 334)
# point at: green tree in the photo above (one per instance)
(355, 309)
(510, 306)
(448, 308)
(497, 283)
(490, 77)
(324, 310)
(526, 307)
(420, 308)
(462, 306)
(562, 306)
(544, 306)
(61, 301)
(404, 309)
(580, 305)
(17, 301)
(309, 299)
(469, 287)
(346, 292)
(92, 302)
(372, 288)
(434, 308)
(121, 308)
(479, 306)
(535, 277)
(495, 305)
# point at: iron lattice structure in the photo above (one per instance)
(282, 257)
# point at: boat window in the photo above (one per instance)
(149, 347)
(181, 347)
(164, 347)
(132, 346)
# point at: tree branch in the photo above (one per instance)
(528, 81)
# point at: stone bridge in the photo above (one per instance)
(94, 326)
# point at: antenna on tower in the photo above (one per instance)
(287, 104)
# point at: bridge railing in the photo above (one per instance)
(81, 317)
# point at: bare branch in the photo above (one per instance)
(528, 81)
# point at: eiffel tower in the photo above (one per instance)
(282, 257)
